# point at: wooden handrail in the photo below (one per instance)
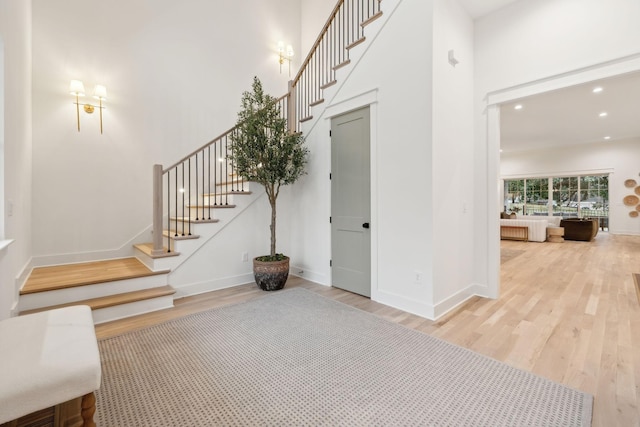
(213, 141)
(193, 153)
(318, 40)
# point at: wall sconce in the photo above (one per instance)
(76, 88)
(285, 55)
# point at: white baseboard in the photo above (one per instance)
(482, 291)
(124, 251)
(24, 274)
(454, 301)
(405, 304)
(211, 285)
(430, 311)
(309, 275)
(624, 233)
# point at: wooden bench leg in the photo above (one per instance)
(88, 409)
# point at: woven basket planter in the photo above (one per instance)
(271, 275)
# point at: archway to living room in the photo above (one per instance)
(578, 175)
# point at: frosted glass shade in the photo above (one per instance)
(76, 88)
(100, 92)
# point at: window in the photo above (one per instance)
(584, 197)
(537, 196)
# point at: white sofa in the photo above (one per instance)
(536, 224)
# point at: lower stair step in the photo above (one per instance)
(43, 279)
(118, 302)
(112, 300)
(147, 249)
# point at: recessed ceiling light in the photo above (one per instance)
(604, 114)
(606, 138)
(518, 107)
(597, 89)
(501, 150)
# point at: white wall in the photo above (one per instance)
(314, 14)
(411, 195)
(453, 151)
(15, 32)
(532, 41)
(219, 263)
(618, 157)
(174, 72)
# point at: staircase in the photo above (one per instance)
(113, 288)
(195, 198)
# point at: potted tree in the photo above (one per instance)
(263, 150)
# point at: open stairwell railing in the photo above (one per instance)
(188, 191)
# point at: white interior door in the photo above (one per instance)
(351, 202)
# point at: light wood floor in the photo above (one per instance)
(568, 312)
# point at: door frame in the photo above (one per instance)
(493, 100)
(366, 99)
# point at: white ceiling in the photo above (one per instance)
(570, 116)
(479, 8)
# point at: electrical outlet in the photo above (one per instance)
(418, 277)
(245, 256)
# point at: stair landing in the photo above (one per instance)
(44, 279)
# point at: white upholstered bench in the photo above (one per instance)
(47, 359)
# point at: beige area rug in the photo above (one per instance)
(507, 254)
(297, 358)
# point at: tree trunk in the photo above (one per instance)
(271, 193)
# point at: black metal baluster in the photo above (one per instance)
(226, 172)
(189, 196)
(203, 186)
(209, 177)
(215, 177)
(183, 205)
(197, 207)
(176, 193)
(168, 210)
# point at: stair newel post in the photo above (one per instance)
(168, 208)
(157, 210)
(291, 107)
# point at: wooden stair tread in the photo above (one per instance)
(356, 43)
(193, 220)
(44, 279)
(113, 300)
(209, 206)
(342, 64)
(371, 19)
(172, 235)
(147, 249)
(226, 193)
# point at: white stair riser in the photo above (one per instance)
(135, 308)
(80, 293)
(205, 231)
